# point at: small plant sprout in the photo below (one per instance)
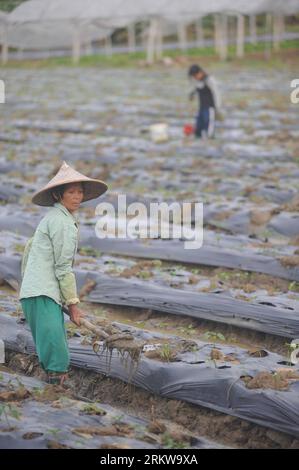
(294, 286)
(9, 410)
(54, 431)
(170, 443)
(118, 419)
(195, 271)
(165, 352)
(213, 335)
(93, 409)
(87, 251)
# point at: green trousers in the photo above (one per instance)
(46, 322)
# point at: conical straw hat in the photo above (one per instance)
(66, 174)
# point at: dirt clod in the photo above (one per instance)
(32, 435)
(56, 445)
(257, 353)
(156, 427)
(266, 380)
(290, 261)
(217, 355)
(14, 395)
(113, 430)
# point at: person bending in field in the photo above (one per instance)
(209, 101)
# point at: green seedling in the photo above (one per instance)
(7, 410)
(54, 431)
(144, 274)
(93, 409)
(87, 251)
(294, 286)
(214, 335)
(195, 271)
(170, 443)
(19, 248)
(165, 352)
(118, 419)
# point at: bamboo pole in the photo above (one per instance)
(132, 38)
(182, 36)
(217, 27)
(76, 47)
(252, 29)
(199, 33)
(240, 35)
(268, 31)
(159, 40)
(223, 37)
(278, 30)
(151, 41)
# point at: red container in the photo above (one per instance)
(188, 129)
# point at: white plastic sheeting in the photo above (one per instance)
(116, 13)
(62, 10)
(285, 7)
(48, 24)
(3, 37)
(108, 12)
(126, 11)
(52, 35)
(31, 29)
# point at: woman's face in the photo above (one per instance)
(72, 196)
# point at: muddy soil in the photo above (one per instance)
(278, 381)
(173, 414)
(188, 328)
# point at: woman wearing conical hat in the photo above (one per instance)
(48, 280)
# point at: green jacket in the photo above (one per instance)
(47, 264)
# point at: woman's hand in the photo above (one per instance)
(75, 314)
